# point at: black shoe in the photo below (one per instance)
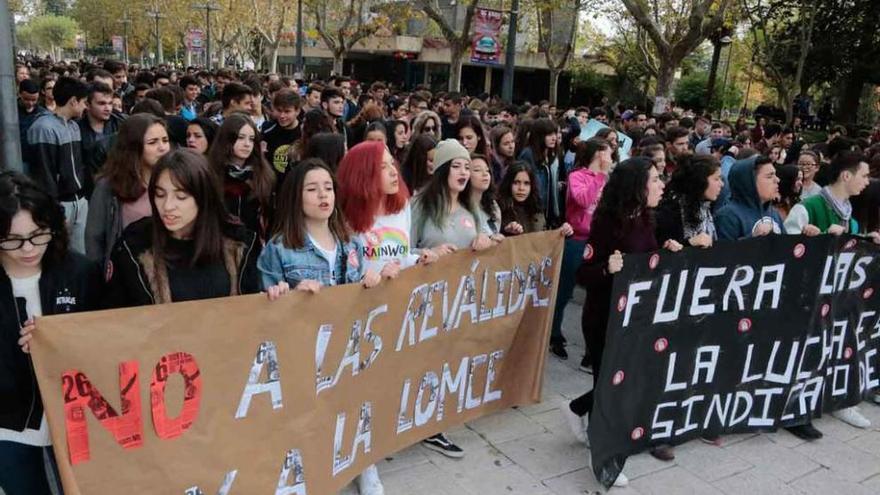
(439, 443)
(586, 364)
(558, 350)
(664, 453)
(805, 432)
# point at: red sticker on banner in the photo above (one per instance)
(653, 261)
(588, 252)
(621, 303)
(868, 293)
(849, 245)
(847, 353)
(637, 433)
(661, 344)
(825, 309)
(799, 250)
(744, 325)
(618, 377)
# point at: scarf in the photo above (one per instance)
(706, 224)
(843, 209)
(242, 174)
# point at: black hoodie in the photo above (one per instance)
(71, 286)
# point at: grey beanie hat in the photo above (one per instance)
(448, 150)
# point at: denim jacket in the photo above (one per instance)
(278, 263)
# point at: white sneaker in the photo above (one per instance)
(369, 483)
(575, 423)
(852, 417)
(621, 480)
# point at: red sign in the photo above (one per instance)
(486, 41)
(195, 40)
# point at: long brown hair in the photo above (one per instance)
(191, 172)
(124, 169)
(263, 181)
(290, 222)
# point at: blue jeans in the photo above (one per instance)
(572, 256)
(22, 470)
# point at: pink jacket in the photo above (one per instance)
(584, 189)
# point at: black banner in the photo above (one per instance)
(743, 337)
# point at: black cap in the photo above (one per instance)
(28, 86)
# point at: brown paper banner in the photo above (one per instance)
(296, 396)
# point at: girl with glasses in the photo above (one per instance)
(39, 276)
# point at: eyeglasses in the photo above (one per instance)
(40, 239)
(806, 164)
(428, 128)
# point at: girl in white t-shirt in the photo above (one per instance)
(375, 202)
(39, 276)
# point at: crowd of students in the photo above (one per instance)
(194, 184)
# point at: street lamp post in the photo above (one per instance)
(726, 72)
(208, 8)
(718, 43)
(510, 54)
(156, 15)
(125, 21)
(300, 66)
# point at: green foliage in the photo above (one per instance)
(690, 92)
(55, 7)
(48, 32)
(586, 78)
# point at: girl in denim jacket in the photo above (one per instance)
(311, 246)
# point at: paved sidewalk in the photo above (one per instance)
(530, 451)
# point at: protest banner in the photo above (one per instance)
(743, 337)
(299, 395)
(486, 40)
(594, 126)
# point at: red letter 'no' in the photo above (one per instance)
(127, 429)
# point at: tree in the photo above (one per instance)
(675, 28)
(229, 28)
(690, 92)
(459, 42)
(341, 24)
(271, 18)
(51, 33)
(54, 7)
(557, 25)
(781, 32)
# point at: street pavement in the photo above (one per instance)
(530, 450)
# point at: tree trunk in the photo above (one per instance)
(455, 68)
(554, 85)
(338, 59)
(664, 84)
(273, 57)
(852, 96)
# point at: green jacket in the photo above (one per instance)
(822, 215)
